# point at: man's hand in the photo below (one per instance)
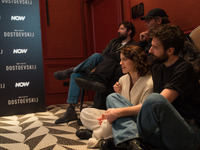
(117, 87)
(111, 114)
(144, 36)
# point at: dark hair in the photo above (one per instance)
(137, 54)
(170, 36)
(129, 26)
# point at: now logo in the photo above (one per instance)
(18, 18)
(22, 84)
(20, 51)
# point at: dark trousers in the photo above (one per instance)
(109, 71)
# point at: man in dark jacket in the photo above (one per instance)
(107, 62)
(155, 18)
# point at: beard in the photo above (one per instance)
(159, 60)
(122, 37)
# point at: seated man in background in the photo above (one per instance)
(154, 19)
(97, 63)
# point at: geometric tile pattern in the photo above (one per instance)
(37, 131)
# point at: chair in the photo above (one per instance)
(195, 36)
(66, 83)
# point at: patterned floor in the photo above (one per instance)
(37, 131)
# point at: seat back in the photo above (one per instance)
(195, 36)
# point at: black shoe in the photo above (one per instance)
(69, 115)
(84, 134)
(137, 144)
(107, 144)
(64, 74)
(91, 82)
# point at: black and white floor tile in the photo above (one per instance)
(37, 131)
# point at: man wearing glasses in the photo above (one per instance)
(155, 18)
(158, 17)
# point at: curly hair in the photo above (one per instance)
(139, 57)
(169, 36)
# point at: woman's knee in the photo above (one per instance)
(85, 112)
(112, 96)
(116, 100)
(91, 113)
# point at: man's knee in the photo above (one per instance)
(154, 98)
(75, 75)
(97, 56)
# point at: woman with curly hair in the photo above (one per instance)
(131, 91)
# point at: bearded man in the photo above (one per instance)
(99, 71)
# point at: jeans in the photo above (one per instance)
(162, 126)
(83, 68)
(124, 128)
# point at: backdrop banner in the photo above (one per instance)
(21, 63)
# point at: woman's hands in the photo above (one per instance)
(111, 115)
(117, 87)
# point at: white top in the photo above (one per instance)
(140, 90)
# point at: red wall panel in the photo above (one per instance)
(63, 43)
(69, 38)
(106, 16)
(64, 33)
(182, 13)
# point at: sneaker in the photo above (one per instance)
(69, 115)
(64, 74)
(84, 134)
(91, 82)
